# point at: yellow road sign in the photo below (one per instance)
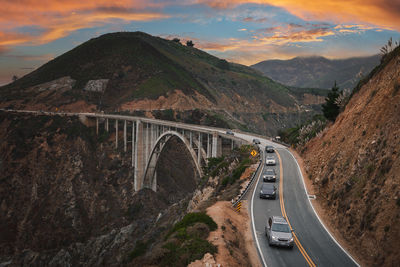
(253, 153)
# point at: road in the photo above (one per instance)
(314, 245)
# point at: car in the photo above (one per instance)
(269, 175)
(256, 141)
(278, 232)
(270, 161)
(269, 149)
(268, 191)
(229, 132)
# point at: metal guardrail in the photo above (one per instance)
(253, 177)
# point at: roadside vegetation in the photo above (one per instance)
(335, 103)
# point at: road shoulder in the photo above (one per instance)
(322, 214)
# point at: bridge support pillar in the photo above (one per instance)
(97, 125)
(199, 150)
(208, 146)
(139, 156)
(216, 146)
(106, 125)
(116, 134)
(133, 144)
(154, 184)
(125, 141)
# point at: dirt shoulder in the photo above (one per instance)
(323, 215)
(233, 237)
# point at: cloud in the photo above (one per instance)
(381, 13)
(26, 57)
(252, 19)
(58, 19)
(242, 30)
(313, 35)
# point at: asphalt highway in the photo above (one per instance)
(313, 244)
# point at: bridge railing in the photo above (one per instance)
(252, 179)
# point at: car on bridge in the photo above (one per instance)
(268, 191)
(278, 232)
(229, 132)
(269, 149)
(270, 161)
(269, 175)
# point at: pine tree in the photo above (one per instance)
(331, 107)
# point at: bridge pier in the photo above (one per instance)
(125, 141)
(139, 157)
(116, 134)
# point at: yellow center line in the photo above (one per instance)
(296, 240)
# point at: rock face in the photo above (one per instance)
(96, 85)
(355, 166)
(67, 196)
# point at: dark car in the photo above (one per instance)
(278, 232)
(269, 149)
(268, 191)
(230, 132)
(269, 175)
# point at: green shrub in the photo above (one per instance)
(139, 250)
(192, 218)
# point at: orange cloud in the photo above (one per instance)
(382, 13)
(57, 20)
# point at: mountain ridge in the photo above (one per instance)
(318, 71)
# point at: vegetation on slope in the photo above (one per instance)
(354, 165)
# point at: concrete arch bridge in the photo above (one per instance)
(146, 138)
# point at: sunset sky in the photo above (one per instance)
(35, 31)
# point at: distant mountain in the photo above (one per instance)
(318, 72)
(131, 71)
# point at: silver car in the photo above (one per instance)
(270, 161)
(278, 232)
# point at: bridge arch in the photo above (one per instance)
(149, 178)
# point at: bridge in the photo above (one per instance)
(146, 138)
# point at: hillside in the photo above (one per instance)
(85, 211)
(355, 168)
(131, 71)
(318, 72)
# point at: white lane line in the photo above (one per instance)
(252, 218)
(319, 219)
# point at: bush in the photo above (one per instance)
(189, 251)
(186, 247)
(192, 218)
(139, 250)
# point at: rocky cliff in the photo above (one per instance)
(67, 196)
(354, 165)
